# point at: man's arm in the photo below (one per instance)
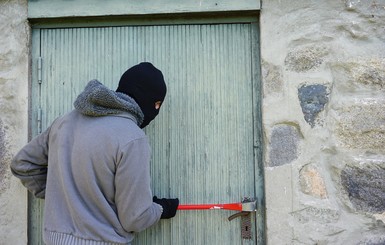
(30, 164)
(133, 196)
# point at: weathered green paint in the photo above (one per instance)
(63, 8)
(258, 137)
(206, 141)
(148, 20)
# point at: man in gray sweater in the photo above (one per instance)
(92, 164)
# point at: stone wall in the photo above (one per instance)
(323, 72)
(14, 49)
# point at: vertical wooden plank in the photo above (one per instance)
(258, 137)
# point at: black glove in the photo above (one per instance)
(169, 206)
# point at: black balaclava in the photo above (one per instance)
(145, 84)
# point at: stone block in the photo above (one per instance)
(359, 75)
(305, 58)
(311, 182)
(368, 23)
(313, 99)
(315, 214)
(272, 78)
(364, 184)
(283, 144)
(360, 125)
(315, 225)
(372, 240)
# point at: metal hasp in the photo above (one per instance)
(248, 206)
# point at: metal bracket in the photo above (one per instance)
(246, 226)
(245, 220)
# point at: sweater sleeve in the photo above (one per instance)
(30, 164)
(133, 196)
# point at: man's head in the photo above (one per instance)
(145, 84)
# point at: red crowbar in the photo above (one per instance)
(239, 206)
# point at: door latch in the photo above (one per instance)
(245, 219)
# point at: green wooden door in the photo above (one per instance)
(206, 140)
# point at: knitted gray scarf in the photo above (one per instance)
(98, 100)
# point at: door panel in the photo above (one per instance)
(203, 141)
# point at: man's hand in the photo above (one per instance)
(169, 206)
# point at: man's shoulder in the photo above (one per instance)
(121, 127)
(117, 126)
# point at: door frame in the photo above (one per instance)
(250, 17)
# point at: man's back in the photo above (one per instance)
(92, 164)
(84, 154)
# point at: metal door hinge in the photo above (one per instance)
(39, 80)
(39, 112)
(39, 70)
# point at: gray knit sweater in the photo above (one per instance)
(97, 190)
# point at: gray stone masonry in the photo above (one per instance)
(323, 70)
